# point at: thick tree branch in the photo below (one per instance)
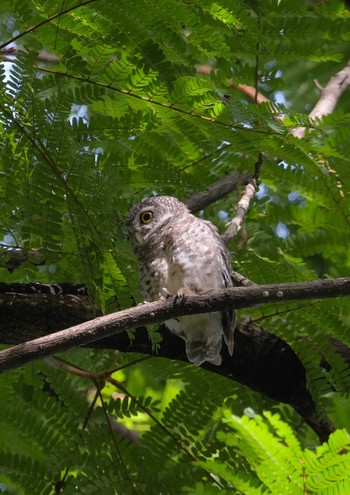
(215, 191)
(161, 310)
(24, 316)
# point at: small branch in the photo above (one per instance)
(241, 281)
(155, 312)
(249, 91)
(45, 21)
(215, 191)
(330, 95)
(43, 55)
(62, 365)
(96, 377)
(243, 203)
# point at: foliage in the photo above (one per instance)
(274, 461)
(193, 443)
(121, 113)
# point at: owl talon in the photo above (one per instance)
(182, 294)
(164, 294)
(178, 298)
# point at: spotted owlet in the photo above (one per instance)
(179, 253)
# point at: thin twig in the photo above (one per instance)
(45, 21)
(109, 422)
(98, 379)
(243, 203)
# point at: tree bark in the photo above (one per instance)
(261, 360)
(158, 311)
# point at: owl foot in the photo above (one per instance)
(182, 294)
(164, 294)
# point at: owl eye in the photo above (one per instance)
(146, 217)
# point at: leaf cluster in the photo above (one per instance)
(197, 441)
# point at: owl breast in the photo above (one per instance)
(195, 261)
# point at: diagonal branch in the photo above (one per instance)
(155, 312)
(330, 95)
(14, 256)
(45, 21)
(152, 101)
(243, 203)
(215, 191)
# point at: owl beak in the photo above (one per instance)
(138, 238)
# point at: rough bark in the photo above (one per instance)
(261, 360)
(158, 311)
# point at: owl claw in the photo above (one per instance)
(164, 294)
(182, 294)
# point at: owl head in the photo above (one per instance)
(147, 219)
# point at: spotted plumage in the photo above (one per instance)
(180, 253)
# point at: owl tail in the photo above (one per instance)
(229, 325)
(197, 352)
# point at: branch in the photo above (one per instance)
(215, 191)
(158, 311)
(243, 203)
(98, 379)
(249, 91)
(40, 288)
(12, 257)
(23, 316)
(330, 95)
(45, 21)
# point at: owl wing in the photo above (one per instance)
(229, 317)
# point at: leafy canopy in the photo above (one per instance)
(125, 109)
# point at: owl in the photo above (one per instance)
(179, 253)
